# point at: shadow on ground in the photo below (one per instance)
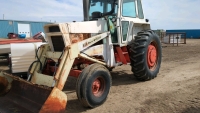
(74, 106)
(123, 78)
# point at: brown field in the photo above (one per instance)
(175, 90)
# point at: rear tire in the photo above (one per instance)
(93, 85)
(145, 55)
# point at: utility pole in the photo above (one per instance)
(3, 16)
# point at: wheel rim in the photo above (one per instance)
(152, 56)
(98, 86)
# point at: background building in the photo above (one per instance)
(30, 28)
(190, 33)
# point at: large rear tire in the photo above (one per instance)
(93, 85)
(145, 55)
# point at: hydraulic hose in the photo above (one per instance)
(29, 69)
(39, 59)
(57, 63)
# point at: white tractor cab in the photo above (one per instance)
(127, 18)
(113, 33)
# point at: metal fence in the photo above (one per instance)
(173, 38)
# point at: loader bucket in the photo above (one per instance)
(25, 97)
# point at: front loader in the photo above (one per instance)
(114, 33)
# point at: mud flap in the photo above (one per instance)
(25, 97)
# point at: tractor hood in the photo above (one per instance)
(63, 34)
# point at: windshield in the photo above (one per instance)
(129, 8)
(102, 6)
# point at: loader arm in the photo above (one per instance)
(71, 52)
(52, 95)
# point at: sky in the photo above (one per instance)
(163, 14)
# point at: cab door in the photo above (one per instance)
(128, 11)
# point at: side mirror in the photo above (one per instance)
(147, 20)
(96, 15)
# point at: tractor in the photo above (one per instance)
(113, 33)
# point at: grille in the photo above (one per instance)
(58, 43)
(54, 29)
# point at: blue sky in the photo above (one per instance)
(163, 14)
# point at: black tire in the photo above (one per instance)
(142, 67)
(85, 85)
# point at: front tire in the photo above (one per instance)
(93, 85)
(145, 55)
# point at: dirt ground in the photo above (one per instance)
(175, 90)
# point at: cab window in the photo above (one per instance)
(128, 8)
